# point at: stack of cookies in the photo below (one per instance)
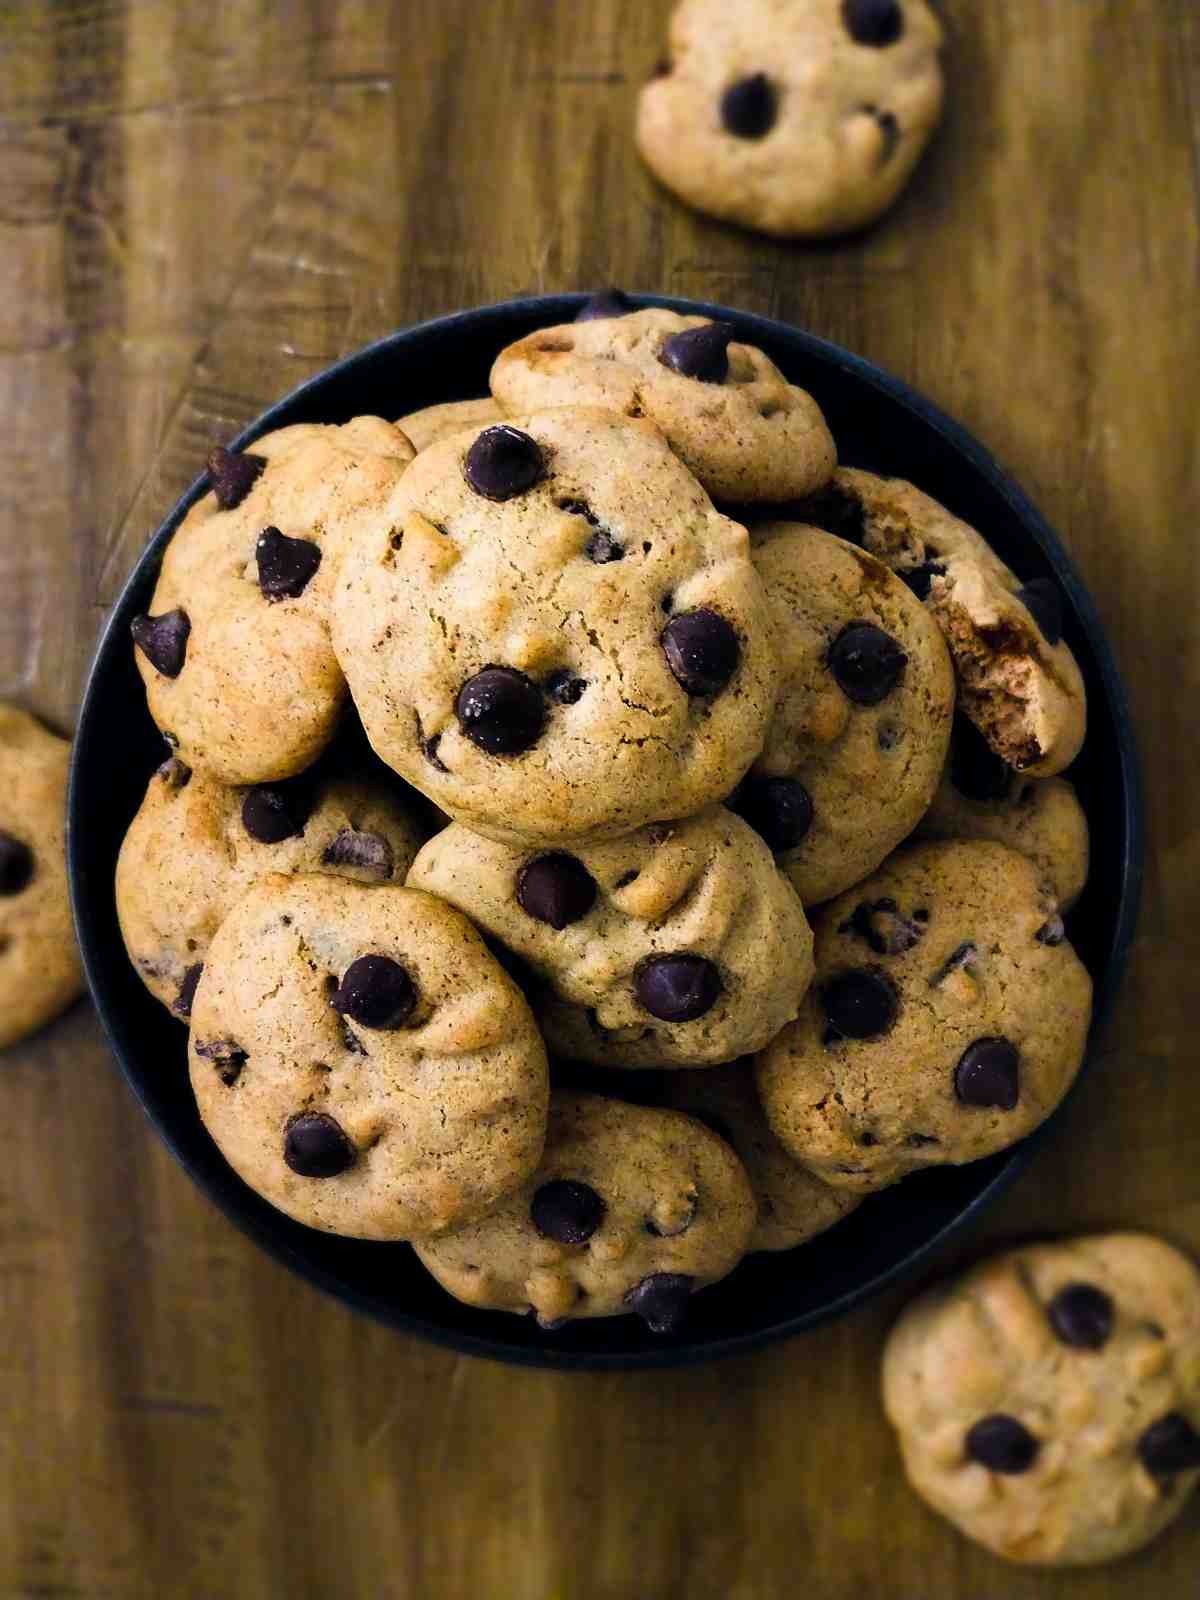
(614, 957)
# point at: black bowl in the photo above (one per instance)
(879, 424)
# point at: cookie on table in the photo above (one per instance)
(632, 1209)
(674, 946)
(980, 797)
(947, 1019)
(724, 407)
(1018, 681)
(434, 423)
(362, 1061)
(1048, 1401)
(196, 845)
(561, 639)
(793, 1205)
(235, 651)
(862, 721)
(40, 971)
(801, 118)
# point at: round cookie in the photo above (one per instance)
(725, 408)
(677, 945)
(196, 846)
(435, 423)
(235, 652)
(862, 721)
(40, 972)
(981, 798)
(947, 1019)
(1018, 682)
(801, 118)
(1048, 1401)
(361, 1060)
(561, 640)
(631, 1210)
(793, 1204)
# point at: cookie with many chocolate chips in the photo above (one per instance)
(680, 944)
(947, 1019)
(632, 1210)
(724, 407)
(196, 845)
(560, 639)
(1048, 1401)
(362, 1061)
(234, 651)
(40, 973)
(1018, 681)
(434, 423)
(801, 118)
(863, 715)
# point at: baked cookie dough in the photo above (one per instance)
(435, 423)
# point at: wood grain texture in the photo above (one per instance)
(201, 206)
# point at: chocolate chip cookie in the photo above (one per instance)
(1018, 681)
(631, 1210)
(862, 721)
(801, 118)
(676, 945)
(981, 797)
(235, 652)
(363, 1062)
(555, 637)
(1048, 1402)
(434, 423)
(725, 407)
(793, 1204)
(196, 846)
(40, 973)
(947, 1019)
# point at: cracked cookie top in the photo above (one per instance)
(557, 638)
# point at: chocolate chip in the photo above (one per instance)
(975, 769)
(286, 566)
(315, 1146)
(565, 689)
(503, 463)
(272, 813)
(567, 1211)
(182, 1005)
(677, 988)
(1044, 604)
(1052, 932)
(661, 1300)
(861, 1003)
(555, 888)
(888, 737)
(601, 547)
(920, 579)
(867, 663)
(780, 810)
(873, 22)
(163, 640)
(1082, 1315)
(750, 107)
(989, 1074)
(233, 473)
(702, 651)
(174, 774)
(360, 851)
(961, 956)
(701, 353)
(1002, 1444)
(375, 992)
(16, 865)
(604, 305)
(227, 1057)
(502, 711)
(889, 128)
(837, 512)
(881, 924)
(1169, 1445)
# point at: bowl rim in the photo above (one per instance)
(554, 309)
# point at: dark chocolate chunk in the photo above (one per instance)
(567, 1211)
(227, 1057)
(661, 1300)
(315, 1146)
(233, 473)
(889, 128)
(1052, 932)
(750, 107)
(1044, 604)
(375, 992)
(701, 353)
(182, 1004)
(962, 955)
(677, 988)
(867, 663)
(555, 888)
(861, 1003)
(174, 774)
(274, 812)
(702, 651)
(989, 1074)
(1002, 1444)
(360, 850)
(16, 865)
(503, 463)
(1169, 1445)
(1082, 1315)
(884, 927)
(564, 688)
(604, 305)
(873, 22)
(975, 769)
(286, 566)
(163, 640)
(502, 711)
(780, 810)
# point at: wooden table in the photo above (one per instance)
(200, 205)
